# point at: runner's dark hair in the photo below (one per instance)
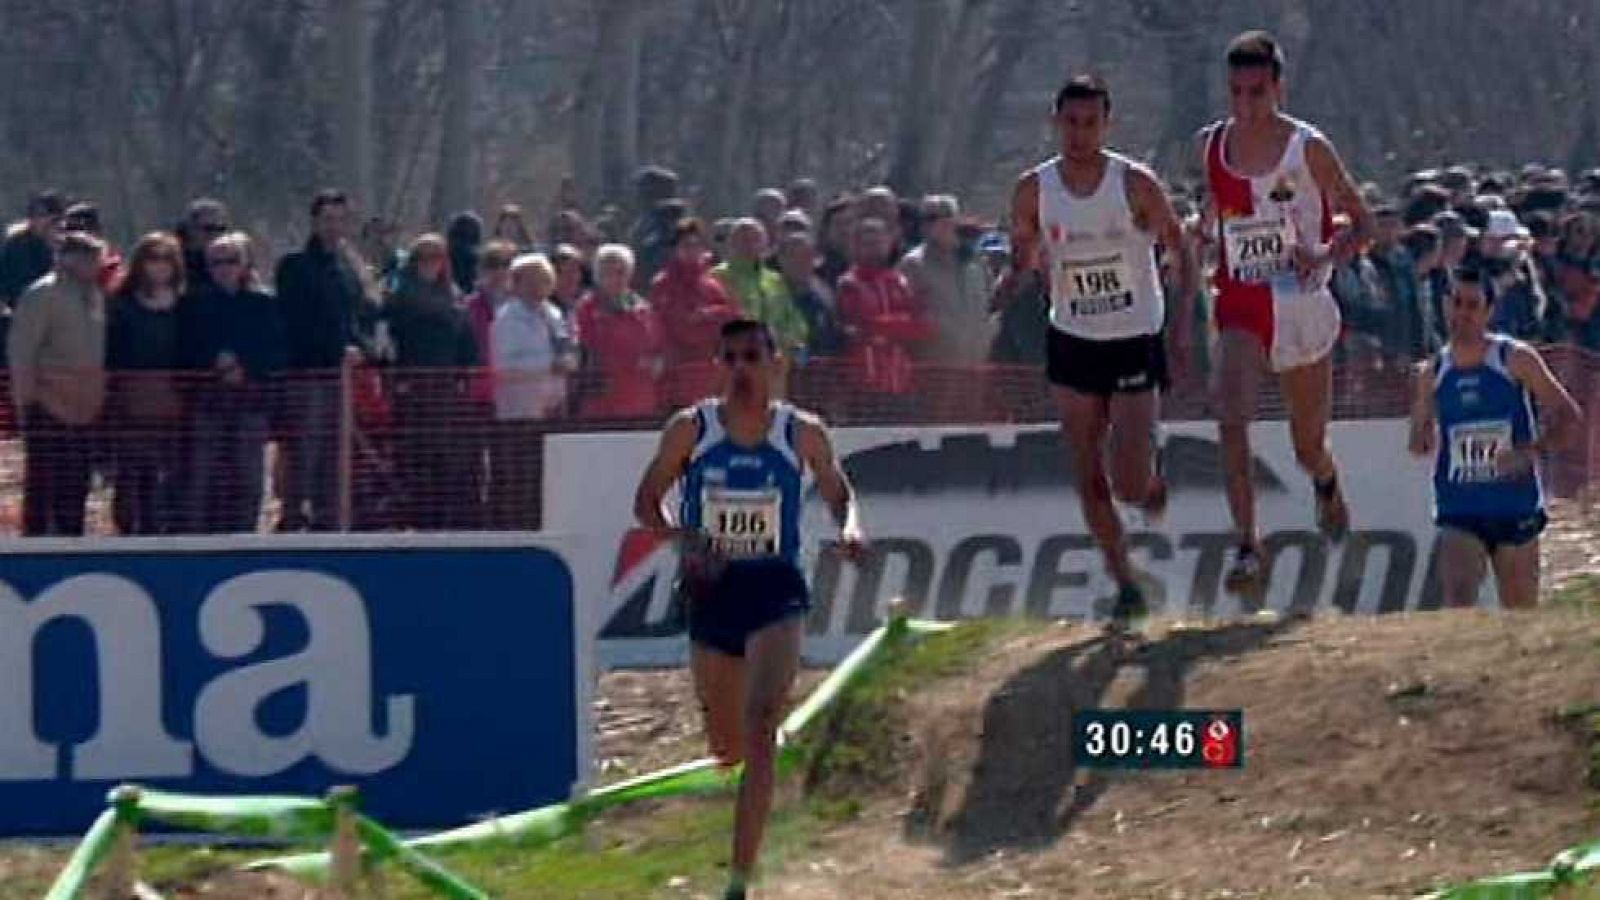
(1254, 50)
(737, 327)
(1083, 86)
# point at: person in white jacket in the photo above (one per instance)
(534, 351)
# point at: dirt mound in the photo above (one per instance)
(1383, 755)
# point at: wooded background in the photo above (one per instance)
(424, 107)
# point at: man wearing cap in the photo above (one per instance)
(57, 348)
(26, 254)
(1276, 184)
(1512, 281)
(951, 286)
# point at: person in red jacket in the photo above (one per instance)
(691, 307)
(622, 343)
(882, 318)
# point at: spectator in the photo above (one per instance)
(144, 406)
(622, 343)
(1426, 249)
(493, 290)
(1428, 201)
(379, 247)
(1024, 319)
(802, 196)
(234, 339)
(511, 226)
(1404, 330)
(1520, 305)
(838, 224)
(950, 285)
(27, 252)
(434, 352)
(465, 236)
(690, 306)
(759, 291)
(881, 203)
(85, 217)
(481, 307)
(572, 278)
(1583, 298)
(652, 239)
(205, 221)
(882, 318)
(57, 349)
(325, 314)
(534, 351)
(1546, 248)
(767, 207)
(1580, 237)
(797, 263)
(791, 222)
(569, 227)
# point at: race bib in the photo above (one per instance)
(1094, 287)
(743, 524)
(1473, 448)
(1259, 250)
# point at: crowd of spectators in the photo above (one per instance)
(441, 360)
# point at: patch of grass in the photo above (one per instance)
(858, 745)
(1580, 591)
(675, 848)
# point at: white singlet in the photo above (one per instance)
(1102, 267)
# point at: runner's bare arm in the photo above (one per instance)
(1558, 412)
(1025, 261)
(672, 457)
(1153, 213)
(1424, 429)
(1343, 195)
(816, 451)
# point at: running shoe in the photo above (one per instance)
(1244, 569)
(1333, 516)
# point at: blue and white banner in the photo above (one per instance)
(445, 677)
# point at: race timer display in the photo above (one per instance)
(1158, 739)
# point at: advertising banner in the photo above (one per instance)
(985, 521)
(443, 676)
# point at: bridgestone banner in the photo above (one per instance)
(985, 521)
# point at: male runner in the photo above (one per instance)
(1090, 219)
(1274, 185)
(740, 459)
(1479, 394)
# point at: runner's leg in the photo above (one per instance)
(1133, 421)
(719, 682)
(1242, 358)
(1516, 575)
(1308, 393)
(1085, 419)
(773, 658)
(1461, 567)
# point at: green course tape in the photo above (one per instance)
(1582, 858)
(384, 845)
(545, 825)
(290, 818)
(91, 851)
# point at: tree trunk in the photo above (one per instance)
(919, 103)
(1013, 36)
(350, 46)
(622, 22)
(455, 181)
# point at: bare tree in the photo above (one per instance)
(455, 182)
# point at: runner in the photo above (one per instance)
(1091, 219)
(739, 460)
(1479, 393)
(1275, 184)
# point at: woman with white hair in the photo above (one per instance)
(622, 343)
